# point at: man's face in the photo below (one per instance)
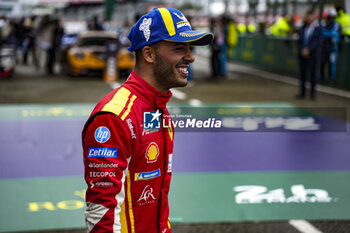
(171, 63)
(309, 18)
(330, 19)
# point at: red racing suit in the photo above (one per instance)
(128, 147)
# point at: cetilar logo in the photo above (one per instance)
(103, 152)
(102, 134)
(151, 120)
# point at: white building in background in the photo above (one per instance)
(10, 7)
(20, 8)
(17, 8)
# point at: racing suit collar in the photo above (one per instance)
(149, 93)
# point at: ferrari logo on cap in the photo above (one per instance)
(144, 27)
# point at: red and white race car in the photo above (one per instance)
(7, 62)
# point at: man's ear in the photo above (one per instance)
(148, 54)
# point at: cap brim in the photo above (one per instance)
(193, 37)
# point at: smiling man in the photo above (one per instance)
(127, 151)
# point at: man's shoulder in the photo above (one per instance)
(119, 102)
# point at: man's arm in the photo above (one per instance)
(107, 151)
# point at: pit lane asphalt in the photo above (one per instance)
(29, 85)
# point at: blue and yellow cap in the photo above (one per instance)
(165, 24)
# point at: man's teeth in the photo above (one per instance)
(184, 70)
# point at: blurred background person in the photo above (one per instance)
(231, 36)
(45, 37)
(330, 46)
(123, 35)
(216, 28)
(224, 20)
(57, 33)
(95, 24)
(10, 38)
(232, 33)
(241, 28)
(29, 43)
(281, 27)
(251, 27)
(310, 38)
(5, 30)
(19, 33)
(50, 34)
(343, 19)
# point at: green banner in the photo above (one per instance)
(42, 204)
(58, 203)
(45, 111)
(260, 196)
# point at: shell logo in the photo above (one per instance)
(152, 152)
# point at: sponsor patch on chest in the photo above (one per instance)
(147, 175)
(103, 152)
(152, 152)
